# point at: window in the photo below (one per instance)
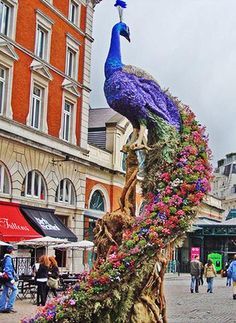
(2, 88)
(72, 56)
(66, 192)
(97, 201)
(67, 115)
(34, 186)
(4, 18)
(36, 109)
(70, 67)
(41, 43)
(74, 12)
(4, 180)
(43, 35)
(233, 189)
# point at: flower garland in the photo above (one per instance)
(168, 214)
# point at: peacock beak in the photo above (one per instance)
(128, 38)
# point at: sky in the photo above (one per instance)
(189, 46)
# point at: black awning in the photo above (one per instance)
(47, 223)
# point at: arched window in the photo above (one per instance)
(34, 185)
(65, 192)
(142, 207)
(141, 159)
(97, 201)
(4, 180)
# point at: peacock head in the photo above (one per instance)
(123, 30)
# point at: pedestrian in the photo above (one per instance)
(195, 271)
(41, 280)
(232, 274)
(209, 273)
(227, 274)
(201, 274)
(53, 276)
(35, 267)
(10, 290)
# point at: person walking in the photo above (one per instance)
(209, 273)
(195, 271)
(53, 276)
(9, 285)
(228, 278)
(41, 280)
(201, 274)
(232, 274)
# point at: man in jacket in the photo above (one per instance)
(6, 304)
(195, 271)
(232, 274)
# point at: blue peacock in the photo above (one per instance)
(126, 283)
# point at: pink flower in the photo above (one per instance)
(72, 302)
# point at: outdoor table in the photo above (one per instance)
(27, 286)
(67, 282)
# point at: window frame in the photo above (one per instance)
(71, 192)
(7, 63)
(43, 23)
(11, 29)
(3, 81)
(4, 175)
(41, 81)
(103, 201)
(71, 99)
(67, 114)
(77, 5)
(72, 46)
(41, 182)
(103, 191)
(6, 27)
(34, 100)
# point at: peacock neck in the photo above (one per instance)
(113, 61)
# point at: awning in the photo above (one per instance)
(47, 223)
(13, 225)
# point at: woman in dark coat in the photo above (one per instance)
(41, 280)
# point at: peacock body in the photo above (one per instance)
(133, 92)
(126, 285)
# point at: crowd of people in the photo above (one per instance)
(46, 275)
(198, 271)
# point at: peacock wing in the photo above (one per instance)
(139, 72)
(157, 100)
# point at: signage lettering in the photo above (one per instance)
(12, 225)
(46, 225)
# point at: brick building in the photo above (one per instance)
(48, 170)
(45, 52)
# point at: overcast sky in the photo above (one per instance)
(188, 46)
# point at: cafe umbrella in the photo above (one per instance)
(79, 245)
(42, 242)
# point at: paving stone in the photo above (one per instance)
(184, 307)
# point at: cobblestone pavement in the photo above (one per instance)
(184, 307)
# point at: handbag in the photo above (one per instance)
(4, 278)
(53, 283)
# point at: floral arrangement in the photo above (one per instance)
(169, 212)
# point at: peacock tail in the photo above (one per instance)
(173, 189)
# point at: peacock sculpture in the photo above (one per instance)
(126, 283)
